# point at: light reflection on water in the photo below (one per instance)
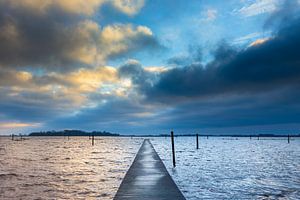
(223, 168)
(234, 168)
(57, 168)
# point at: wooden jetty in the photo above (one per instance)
(148, 178)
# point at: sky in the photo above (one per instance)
(150, 66)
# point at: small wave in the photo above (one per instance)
(26, 159)
(103, 195)
(86, 193)
(9, 175)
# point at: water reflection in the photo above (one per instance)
(64, 169)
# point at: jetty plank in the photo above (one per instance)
(148, 178)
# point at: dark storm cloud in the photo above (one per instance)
(59, 38)
(267, 66)
(289, 10)
(213, 116)
(30, 38)
(121, 115)
(276, 107)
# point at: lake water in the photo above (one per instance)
(234, 168)
(222, 168)
(57, 168)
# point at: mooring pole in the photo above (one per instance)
(12, 137)
(288, 138)
(173, 148)
(197, 141)
(92, 140)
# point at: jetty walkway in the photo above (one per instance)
(148, 178)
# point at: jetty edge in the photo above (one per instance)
(148, 178)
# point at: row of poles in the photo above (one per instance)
(197, 145)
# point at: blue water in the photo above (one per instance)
(234, 168)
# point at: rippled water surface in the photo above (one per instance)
(222, 168)
(234, 168)
(58, 168)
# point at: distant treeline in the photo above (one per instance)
(72, 133)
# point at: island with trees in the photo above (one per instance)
(72, 133)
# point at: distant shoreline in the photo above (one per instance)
(72, 133)
(79, 133)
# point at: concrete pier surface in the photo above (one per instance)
(148, 178)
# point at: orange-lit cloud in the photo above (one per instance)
(259, 41)
(31, 35)
(129, 7)
(16, 125)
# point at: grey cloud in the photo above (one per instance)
(139, 76)
(31, 106)
(217, 115)
(267, 66)
(33, 39)
(118, 115)
(58, 40)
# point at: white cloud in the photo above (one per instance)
(251, 38)
(246, 38)
(129, 7)
(157, 69)
(209, 15)
(212, 14)
(259, 7)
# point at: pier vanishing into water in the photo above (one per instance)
(148, 178)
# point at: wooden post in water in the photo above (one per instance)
(173, 148)
(207, 137)
(250, 137)
(12, 137)
(197, 141)
(92, 140)
(288, 138)
(258, 137)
